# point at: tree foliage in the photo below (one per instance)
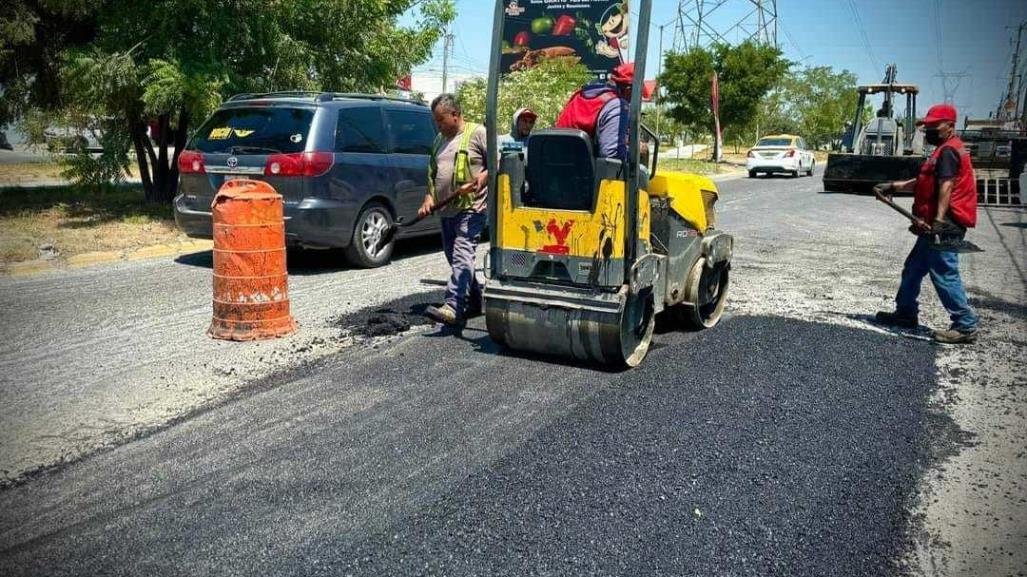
(821, 101)
(747, 72)
(33, 36)
(544, 88)
(167, 63)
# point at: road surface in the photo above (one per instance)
(796, 438)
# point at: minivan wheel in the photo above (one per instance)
(364, 249)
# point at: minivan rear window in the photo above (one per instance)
(774, 142)
(264, 130)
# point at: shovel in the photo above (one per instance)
(390, 233)
(944, 236)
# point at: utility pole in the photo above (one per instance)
(703, 22)
(447, 43)
(1004, 112)
(949, 90)
(659, 72)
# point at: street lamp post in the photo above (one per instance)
(659, 73)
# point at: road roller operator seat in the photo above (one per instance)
(561, 174)
(564, 172)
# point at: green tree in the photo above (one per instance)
(820, 101)
(747, 72)
(170, 62)
(544, 88)
(33, 35)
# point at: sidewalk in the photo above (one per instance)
(40, 265)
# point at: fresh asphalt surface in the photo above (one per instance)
(766, 446)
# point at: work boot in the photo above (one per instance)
(896, 320)
(444, 314)
(955, 336)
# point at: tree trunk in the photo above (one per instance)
(160, 169)
(138, 132)
(166, 169)
(181, 135)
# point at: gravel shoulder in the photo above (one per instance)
(837, 261)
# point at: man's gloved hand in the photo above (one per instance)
(884, 188)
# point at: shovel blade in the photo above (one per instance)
(960, 246)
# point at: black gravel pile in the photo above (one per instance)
(766, 447)
(396, 317)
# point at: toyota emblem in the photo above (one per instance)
(232, 162)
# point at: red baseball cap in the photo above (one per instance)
(528, 113)
(939, 113)
(624, 73)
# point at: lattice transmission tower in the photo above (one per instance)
(703, 22)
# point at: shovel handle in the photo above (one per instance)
(886, 200)
(403, 223)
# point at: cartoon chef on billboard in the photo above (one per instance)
(613, 27)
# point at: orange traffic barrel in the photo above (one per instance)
(251, 296)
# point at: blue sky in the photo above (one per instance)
(923, 37)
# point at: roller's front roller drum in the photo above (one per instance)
(614, 337)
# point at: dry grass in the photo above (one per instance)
(26, 173)
(694, 165)
(75, 220)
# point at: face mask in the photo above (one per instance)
(932, 136)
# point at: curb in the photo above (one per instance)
(88, 259)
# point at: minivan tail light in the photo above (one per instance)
(790, 153)
(191, 162)
(299, 164)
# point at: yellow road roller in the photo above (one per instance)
(586, 251)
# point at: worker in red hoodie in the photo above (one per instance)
(945, 204)
(601, 110)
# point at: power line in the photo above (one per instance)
(795, 45)
(863, 34)
(695, 27)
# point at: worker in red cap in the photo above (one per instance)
(517, 141)
(945, 205)
(601, 110)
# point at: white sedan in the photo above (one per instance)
(780, 153)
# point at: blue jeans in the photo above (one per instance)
(460, 242)
(943, 266)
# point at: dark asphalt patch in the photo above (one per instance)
(763, 447)
(392, 318)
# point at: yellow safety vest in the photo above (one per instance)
(461, 167)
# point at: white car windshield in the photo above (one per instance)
(774, 142)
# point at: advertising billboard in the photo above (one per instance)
(592, 32)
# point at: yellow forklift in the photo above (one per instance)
(586, 251)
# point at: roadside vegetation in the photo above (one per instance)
(761, 93)
(544, 88)
(63, 221)
(164, 65)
